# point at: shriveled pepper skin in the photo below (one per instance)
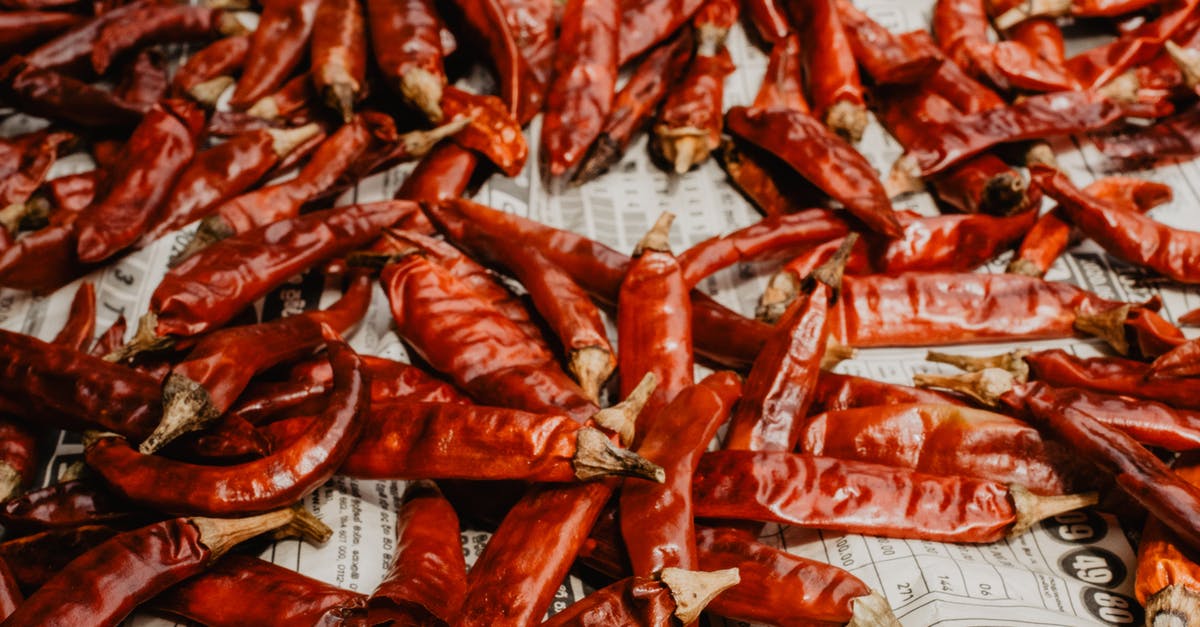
(24, 162)
(831, 69)
(414, 24)
(492, 131)
(277, 47)
(1112, 375)
(1162, 560)
(886, 57)
(63, 505)
(854, 497)
(71, 51)
(1099, 65)
(156, 23)
(53, 95)
(339, 54)
(21, 29)
(631, 601)
(842, 391)
(34, 559)
(220, 58)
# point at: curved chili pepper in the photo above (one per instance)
(783, 84)
(833, 84)
(244, 590)
(427, 580)
(517, 84)
(886, 57)
(208, 72)
(256, 486)
(50, 94)
(444, 173)
(141, 564)
(1167, 578)
(407, 46)
(656, 520)
(490, 130)
(277, 47)
(231, 440)
(34, 559)
(679, 593)
(24, 162)
(1111, 375)
(534, 26)
(390, 381)
(689, 122)
(1177, 136)
(808, 147)
(644, 23)
(63, 505)
(159, 23)
(80, 327)
(859, 497)
(339, 54)
(156, 154)
(1042, 37)
(212, 286)
(1097, 66)
(835, 392)
(111, 339)
(144, 79)
(1182, 361)
(71, 51)
(764, 180)
(19, 30)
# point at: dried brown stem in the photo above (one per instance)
(1027, 9)
(1106, 325)
(211, 230)
(1012, 361)
(622, 417)
(1033, 508)
(222, 534)
(186, 407)
(985, 386)
(285, 140)
(591, 366)
(903, 178)
(1173, 606)
(782, 289)
(209, 92)
(683, 147)
(658, 237)
(872, 610)
(1188, 61)
(145, 340)
(305, 526)
(693, 590)
(10, 481)
(847, 119)
(596, 456)
(417, 143)
(1024, 267)
(423, 90)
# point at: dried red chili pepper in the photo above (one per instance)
(1182, 361)
(427, 579)
(390, 381)
(859, 497)
(835, 392)
(24, 162)
(444, 173)
(783, 84)
(141, 564)
(1097, 66)
(73, 192)
(293, 97)
(239, 589)
(339, 55)
(534, 25)
(111, 339)
(231, 440)
(809, 148)
(159, 23)
(80, 327)
(656, 520)
(42, 261)
(277, 47)
(518, 86)
(49, 94)
(886, 57)
(1112, 375)
(63, 505)
(71, 52)
(764, 180)
(770, 20)
(837, 93)
(675, 592)
(144, 79)
(208, 72)
(19, 30)
(1168, 579)
(407, 46)
(154, 157)
(34, 559)
(644, 23)
(1177, 136)
(490, 130)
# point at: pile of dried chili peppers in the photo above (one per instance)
(205, 427)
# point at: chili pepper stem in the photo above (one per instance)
(222, 534)
(683, 147)
(208, 92)
(1106, 325)
(1040, 153)
(1030, 9)
(592, 366)
(305, 526)
(231, 25)
(834, 354)
(847, 119)
(417, 143)
(1012, 361)
(903, 178)
(710, 38)
(186, 407)
(830, 273)
(1033, 508)
(1005, 190)
(1188, 61)
(872, 610)
(10, 481)
(212, 229)
(266, 108)
(985, 386)
(596, 456)
(285, 140)
(72, 471)
(600, 157)
(781, 290)
(657, 238)
(1123, 88)
(11, 216)
(1024, 267)
(145, 340)
(694, 590)
(1173, 606)
(620, 418)
(340, 96)
(424, 90)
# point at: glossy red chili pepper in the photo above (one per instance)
(533, 24)
(282, 478)
(208, 72)
(765, 180)
(231, 440)
(837, 93)
(674, 595)
(835, 392)
(444, 173)
(339, 54)
(1168, 579)
(783, 84)
(144, 79)
(212, 286)
(886, 57)
(490, 131)
(580, 95)
(1182, 361)
(656, 519)
(71, 51)
(1043, 37)
(859, 497)
(689, 123)
(73, 192)
(296, 95)
(1097, 66)
(961, 27)
(77, 332)
(809, 147)
(488, 19)
(239, 589)
(644, 23)
(1177, 136)
(277, 47)
(407, 47)
(427, 579)
(770, 20)
(1111, 375)
(159, 23)
(42, 261)
(50, 94)
(34, 559)
(140, 564)
(20, 30)
(63, 505)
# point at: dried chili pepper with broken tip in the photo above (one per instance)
(580, 96)
(809, 147)
(1099, 65)
(688, 126)
(144, 79)
(679, 593)
(427, 579)
(635, 104)
(339, 55)
(1168, 578)
(277, 47)
(837, 94)
(19, 30)
(208, 72)
(152, 160)
(245, 590)
(285, 476)
(656, 519)
(212, 286)
(159, 23)
(50, 94)
(63, 505)
(764, 180)
(141, 564)
(859, 497)
(645, 23)
(490, 130)
(407, 47)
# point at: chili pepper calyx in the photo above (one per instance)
(10, 481)
(603, 153)
(340, 97)
(622, 417)
(836, 353)
(1024, 267)
(1032, 508)
(209, 92)
(596, 456)
(847, 119)
(592, 366)
(872, 610)
(1030, 9)
(1124, 88)
(1012, 361)
(212, 229)
(710, 38)
(1188, 61)
(1004, 193)
(781, 290)
(657, 238)
(683, 147)
(231, 24)
(186, 407)
(904, 178)
(418, 143)
(17, 214)
(145, 340)
(285, 140)
(830, 273)
(424, 90)
(222, 534)
(265, 108)
(72, 472)
(985, 386)
(305, 526)
(1040, 153)
(1106, 325)
(693, 590)
(1173, 606)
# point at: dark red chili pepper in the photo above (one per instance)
(10, 593)
(277, 47)
(20, 30)
(534, 24)
(961, 27)
(111, 340)
(50, 94)
(1177, 136)
(837, 93)
(34, 559)
(63, 505)
(244, 590)
(71, 52)
(212, 286)
(770, 20)
(689, 123)
(73, 192)
(859, 497)
(1042, 37)
(156, 154)
(444, 173)
(24, 162)
(294, 96)
(765, 180)
(231, 440)
(1097, 66)
(78, 331)
(518, 86)
(38, 5)
(1182, 361)
(656, 519)
(390, 381)
(144, 79)
(1111, 375)
(886, 57)
(1168, 579)
(490, 130)
(407, 46)
(140, 564)
(835, 392)
(207, 73)
(427, 579)
(580, 96)
(339, 55)
(1079, 8)
(42, 261)
(644, 23)
(159, 23)
(679, 593)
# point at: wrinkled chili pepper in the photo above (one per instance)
(961, 27)
(1176, 136)
(283, 477)
(518, 85)
(19, 30)
(886, 57)
(73, 191)
(390, 381)
(676, 592)
(208, 72)
(644, 23)
(859, 497)
(1097, 66)
(1112, 375)
(277, 47)
(71, 52)
(534, 25)
(1079, 8)
(490, 130)
(230, 440)
(765, 180)
(1182, 361)
(144, 79)
(44, 260)
(837, 94)
(35, 558)
(63, 505)
(427, 579)
(296, 95)
(240, 589)
(835, 392)
(407, 47)
(783, 84)
(1168, 579)
(656, 519)
(159, 23)
(77, 332)
(49, 94)
(24, 162)
(339, 54)
(111, 339)
(140, 564)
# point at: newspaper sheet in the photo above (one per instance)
(1075, 569)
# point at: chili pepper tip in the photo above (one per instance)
(782, 289)
(847, 119)
(340, 97)
(658, 237)
(265, 108)
(212, 229)
(601, 156)
(693, 590)
(592, 366)
(72, 472)
(622, 417)
(596, 456)
(903, 178)
(1033, 508)
(1032, 8)
(872, 610)
(423, 90)
(985, 386)
(10, 481)
(209, 92)
(1106, 325)
(1188, 61)
(305, 526)
(1173, 606)
(417, 143)
(186, 407)
(285, 140)
(222, 534)
(1012, 361)
(145, 340)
